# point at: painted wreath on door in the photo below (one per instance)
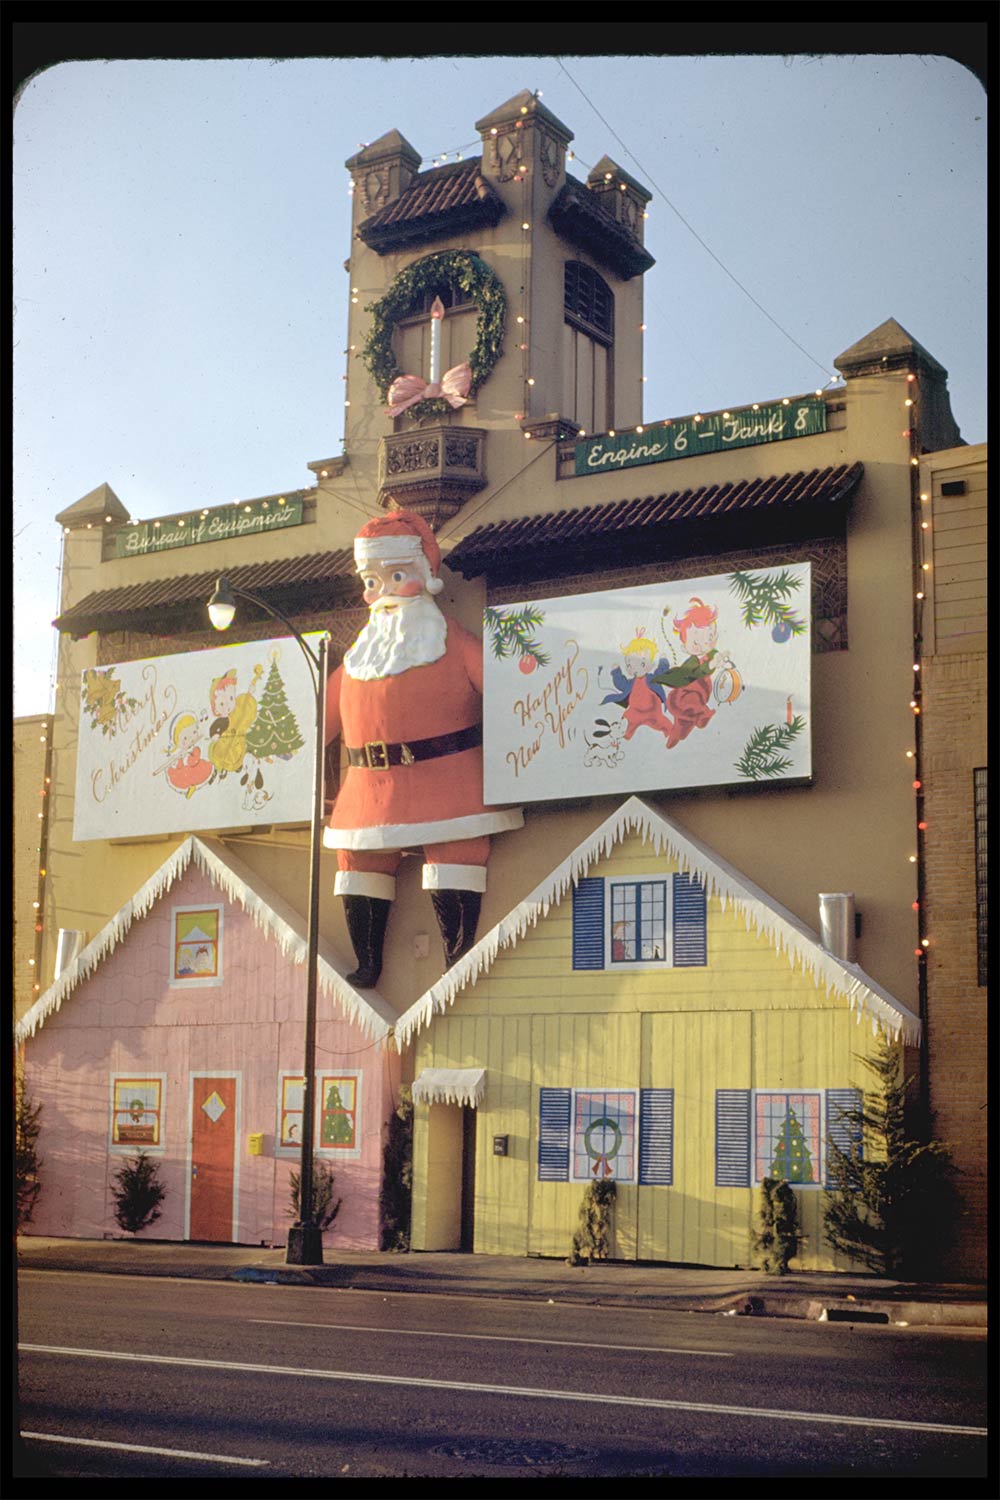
(457, 270)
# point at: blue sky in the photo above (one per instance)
(181, 228)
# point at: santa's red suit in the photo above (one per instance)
(407, 705)
(436, 801)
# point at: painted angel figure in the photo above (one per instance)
(638, 687)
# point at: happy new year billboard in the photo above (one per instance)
(204, 740)
(702, 682)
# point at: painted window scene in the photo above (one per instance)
(136, 1112)
(604, 1130)
(339, 1113)
(197, 945)
(787, 1137)
(290, 1123)
(639, 922)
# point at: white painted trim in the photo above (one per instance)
(415, 835)
(215, 1073)
(820, 1182)
(450, 1086)
(454, 877)
(211, 981)
(604, 1089)
(365, 883)
(331, 1153)
(649, 965)
(116, 1148)
(801, 945)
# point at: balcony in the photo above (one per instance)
(432, 471)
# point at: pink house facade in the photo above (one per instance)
(179, 1031)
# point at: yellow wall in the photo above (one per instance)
(749, 1019)
(31, 739)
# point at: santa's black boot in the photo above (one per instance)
(457, 914)
(366, 922)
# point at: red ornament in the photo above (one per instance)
(527, 664)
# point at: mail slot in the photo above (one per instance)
(255, 1143)
(500, 1145)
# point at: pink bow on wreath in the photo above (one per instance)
(407, 390)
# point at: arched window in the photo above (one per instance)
(588, 343)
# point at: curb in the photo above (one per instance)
(742, 1304)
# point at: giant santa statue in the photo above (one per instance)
(407, 702)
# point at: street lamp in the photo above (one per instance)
(305, 1238)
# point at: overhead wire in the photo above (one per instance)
(648, 176)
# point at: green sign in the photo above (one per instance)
(683, 437)
(248, 519)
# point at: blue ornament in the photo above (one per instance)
(781, 632)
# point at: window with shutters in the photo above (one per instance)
(641, 923)
(589, 1135)
(780, 1133)
(588, 342)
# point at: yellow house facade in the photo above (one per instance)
(684, 1079)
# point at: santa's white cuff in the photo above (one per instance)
(365, 883)
(454, 877)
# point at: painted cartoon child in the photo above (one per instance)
(638, 688)
(690, 683)
(234, 713)
(203, 961)
(188, 771)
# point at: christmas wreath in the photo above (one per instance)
(457, 270)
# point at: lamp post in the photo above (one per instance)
(305, 1238)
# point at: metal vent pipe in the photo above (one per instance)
(837, 924)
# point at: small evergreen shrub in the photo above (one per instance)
(27, 1125)
(396, 1193)
(325, 1208)
(138, 1193)
(777, 1236)
(592, 1241)
(895, 1201)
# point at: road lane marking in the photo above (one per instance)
(208, 1458)
(415, 1382)
(493, 1338)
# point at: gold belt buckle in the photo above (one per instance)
(379, 749)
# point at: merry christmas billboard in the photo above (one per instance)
(207, 739)
(702, 682)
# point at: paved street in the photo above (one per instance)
(139, 1376)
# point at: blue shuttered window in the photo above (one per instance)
(843, 1131)
(656, 1137)
(732, 1137)
(690, 905)
(553, 1134)
(588, 923)
(639, 910)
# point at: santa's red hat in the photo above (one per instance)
(400, 537)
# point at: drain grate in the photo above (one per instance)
(527, 1455)
(851, 1315)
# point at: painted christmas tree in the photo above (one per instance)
(275, 730)
(336, 1129)
(792, 1160)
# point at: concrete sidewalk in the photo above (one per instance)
(816, 1295)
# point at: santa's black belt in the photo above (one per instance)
(376, 755)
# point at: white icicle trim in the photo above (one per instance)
(264, 906)
(780, 926)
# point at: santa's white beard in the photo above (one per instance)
(394, 640)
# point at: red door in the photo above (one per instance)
(213, 1147)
